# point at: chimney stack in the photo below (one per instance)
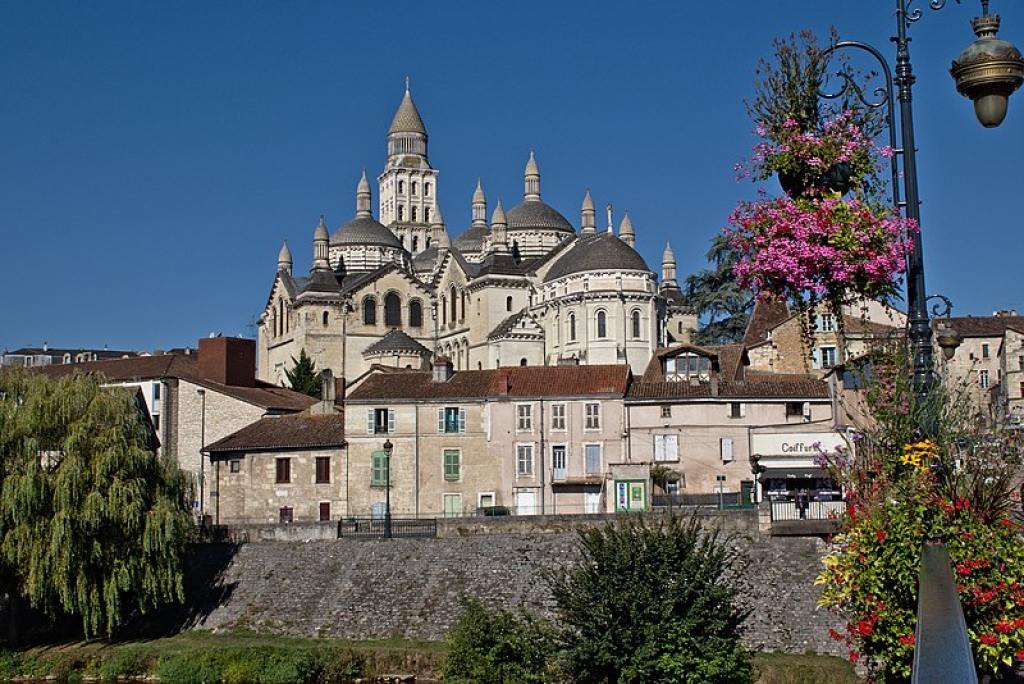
(228, 361)
(442, 369)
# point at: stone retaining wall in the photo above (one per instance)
(409, 588)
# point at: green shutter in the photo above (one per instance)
(451, 464)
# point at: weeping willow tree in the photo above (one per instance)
(92, 522)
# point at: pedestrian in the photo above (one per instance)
(801, 503)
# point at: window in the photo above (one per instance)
(508, 303)
(558, 416)
(401, 186)
(284, 470)
(602, 324)
(666, 411)
(325, 511)
(524, 414)
(452, 471)
(984, 351)
(737, 410)
(392, 309)
(380, 421)
(426, 219)
(323, 469)
(378, 469)
(572, 327)
(983, 379)
(827, 323)
(451, 419)
(726, 449)
(827, 357)
(415, 238)
(235, 465)
(666, 447)
(454, 302)
(369, 311)
(426, 189)
(285, 514)
(156, 422)
(687, 367)
(524, 460)
(326, 319)
(156, 391)
(636, 325)
(401, 213)
(414, 219)
(415, 314)
(415, 188)
(593, 416)
(592, 459)
(794, 409)
(558, 463)
(452, 505)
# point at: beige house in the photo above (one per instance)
(702, 412)
(527, 439)
(196, 399)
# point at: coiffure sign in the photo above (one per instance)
(806, 444)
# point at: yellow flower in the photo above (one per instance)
(919, 454)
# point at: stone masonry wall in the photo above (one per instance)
(410, 587)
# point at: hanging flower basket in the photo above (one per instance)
(811, 249)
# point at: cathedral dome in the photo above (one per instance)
(599, 252)
(534, 214)
(365, 230)
(472, 240)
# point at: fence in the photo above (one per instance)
(723, 500)
(814, 510)
(373, 528)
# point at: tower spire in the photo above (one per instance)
(479, 206)
(532, 180)
(668, 267)
(587, 215)
(626, 230)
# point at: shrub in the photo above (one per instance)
(187, 669)
(497, 646)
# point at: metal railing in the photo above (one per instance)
(373, 528)
(713, 500)
(813, 510)
(942, 651)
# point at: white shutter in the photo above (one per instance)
(462, 419)
(726, 449)
(659, 447)
(440, 420)
(369, 421)
(391, 421)
(743, 414)
(671, 447)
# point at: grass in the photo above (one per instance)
(245, 657)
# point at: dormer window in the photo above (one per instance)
(687, 367)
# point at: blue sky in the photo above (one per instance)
(153, 156)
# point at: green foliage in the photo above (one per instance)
(302, 376)
(92, 522)
(951, 482)
(720, 302)
(497, 646)
(650, 602)
(188, 669)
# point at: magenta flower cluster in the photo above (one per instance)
(813, 248)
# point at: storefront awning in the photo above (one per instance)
(792, 474)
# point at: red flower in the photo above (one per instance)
(854, 656)
(907, 640)
(865, 627)
(879, 535)
(990, 639)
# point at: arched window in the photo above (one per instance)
(444, 310)
(327, 318)
(426, 217)
(401, 212)
(392, 309)
(369, 311)
(465, 300)
(415, 187)
(508, 303)
(401, 186)
(522, 362)
(415, 314)
(572, 327)
(426, 189)
(602, 325)
(454, 302)
(636, 325)
(414, 213)
(415, 238)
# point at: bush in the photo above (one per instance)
(497, 646)
(649, 602)
(188, 669)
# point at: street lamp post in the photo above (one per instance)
(388, 448)
(988, 71)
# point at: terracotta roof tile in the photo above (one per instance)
(518, 381)
(983, 326)
(789, 388)
(285, 432)
(766, 316)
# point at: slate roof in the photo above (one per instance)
(598, 252)
(407, 118)
(517, 381)
(396, 341)
(532, 214)
(264, 394)
(510, 327)
(284, 432)
(471, 240)
(500, 263)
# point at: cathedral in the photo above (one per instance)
(523, 289)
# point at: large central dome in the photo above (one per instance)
(534, 214)
(598, 252)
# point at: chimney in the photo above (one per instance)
(228, 361)
(442, 369)
(328, 389)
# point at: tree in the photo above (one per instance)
(718, 297)
(302, 376)
(92, 522)
(649, 602)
